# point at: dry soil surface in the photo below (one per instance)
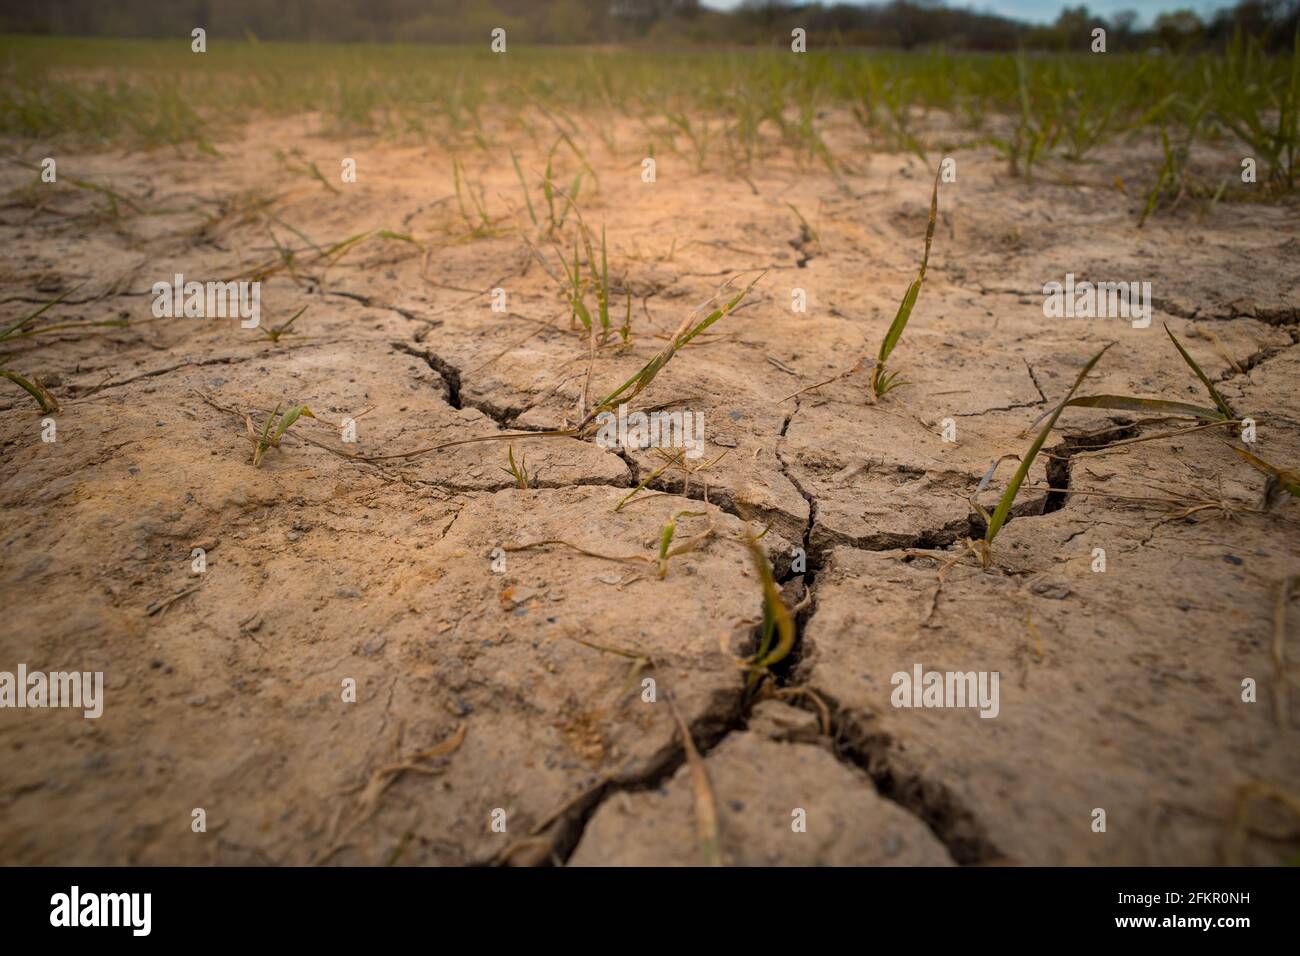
(491, 721)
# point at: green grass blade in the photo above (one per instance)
(1128, 403)
(575, 297)
(777, 622)
(642, 379)
(1214, 392)
(604, 283)
(290, 416)
(1009, 496)
(909, 298)
(719, 312)
(523, 185)
(900, 321)
(263, 442)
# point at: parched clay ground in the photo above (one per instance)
(1120, 690)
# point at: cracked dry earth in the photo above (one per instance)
(1120, 690)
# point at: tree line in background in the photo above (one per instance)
(905, 24)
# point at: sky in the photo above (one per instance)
(1046, 11)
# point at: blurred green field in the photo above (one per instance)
(149, 93)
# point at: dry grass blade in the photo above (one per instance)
(503, 436)
(1279, 479)
(639, 661)
(48, 403)
(111, 195)
(274, 333)
(547, 542)
(673, 459)
(823, 711)
(706, 801)
(384, 777)
(1009, 496)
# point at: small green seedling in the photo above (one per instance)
(639, 662)
(639, 382)
(483, 225)
(625, 330)
(881, 380)
(601, 281)
(666, 550)
(519, 472)
(555, 221)
(576, 290)
(984, 549)
(776, 638)
(271, 439)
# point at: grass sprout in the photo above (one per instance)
(480, 224)
(639, 382)
(519, 472)
(994, 523)
(532, 213)
(1205, 380)
(776, 636)
(666, 550)
(1222, 413)
(883, 381)
(639, 662)
(276, 425)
